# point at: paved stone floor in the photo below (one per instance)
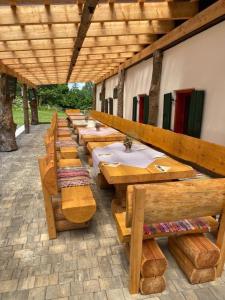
(83, 264)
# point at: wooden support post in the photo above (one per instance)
(7, 125)
(26, 109)
(94, 97)
(34, 109)
(155, 88)
(121, 79)
(103, 96)
(136, 241)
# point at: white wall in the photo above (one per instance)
(199, 63)
(137, 81)
(110, 84)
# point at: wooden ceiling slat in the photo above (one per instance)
(90, 42)
(58, 31)
(65, 14)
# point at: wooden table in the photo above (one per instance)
(118, 136)
(87, 124)
(122, 175)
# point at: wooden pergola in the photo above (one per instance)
(58, 41)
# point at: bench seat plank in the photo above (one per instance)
(124, 232)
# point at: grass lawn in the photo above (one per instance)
(44, 114)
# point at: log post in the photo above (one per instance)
(120, 90)
(26, 109)
(155, 88)
(34, 108)
(7, 125)
(103, 97)
(94, 97)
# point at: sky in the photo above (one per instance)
(80, 85)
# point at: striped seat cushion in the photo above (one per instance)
(73, 176)
(177, 226)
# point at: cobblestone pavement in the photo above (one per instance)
(81, 264)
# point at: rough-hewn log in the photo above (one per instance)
(7, 125)
(155, 88)
(26, 109)
(120, 87)
(85, 22)
(199, 249)
(153, 262)
(94, 97)
(194, 275)
(34, 109)
(152, 285)
(102, 98)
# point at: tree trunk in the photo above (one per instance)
(103, 97)
(121, 79)
(7, 125)
(94, 97)
(34, 109)
(26, 109)
(155, 88)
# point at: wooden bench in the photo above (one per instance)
(77, 204)
(201, 153)
(68, 150)
(167, 202)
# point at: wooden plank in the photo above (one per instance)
(189, 199)
(136, 242)
(50, 219)
(64, 14)
(40, 32)
(124, 232)
(206, 16)
(68, 152)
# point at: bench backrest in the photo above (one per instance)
(173, 201)
(72, 111)
(202, 153)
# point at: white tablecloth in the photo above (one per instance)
(140, 156)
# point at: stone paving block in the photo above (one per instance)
(66, 277)
(116, 294)
(110, 283)
(8, 285)
(17, 295)
(100, 295)
(45, 280)
(91, 286)
(58, 291)
(77, 288)
(190, 295)
(26, 283)
(37, 293)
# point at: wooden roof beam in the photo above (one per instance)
(65, 14)
(89, 42)
(210, 14)
(40, 32)
(87, 13)
(11, 72)
(68, 52)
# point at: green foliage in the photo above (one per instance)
(60, 95)
(18, 101)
